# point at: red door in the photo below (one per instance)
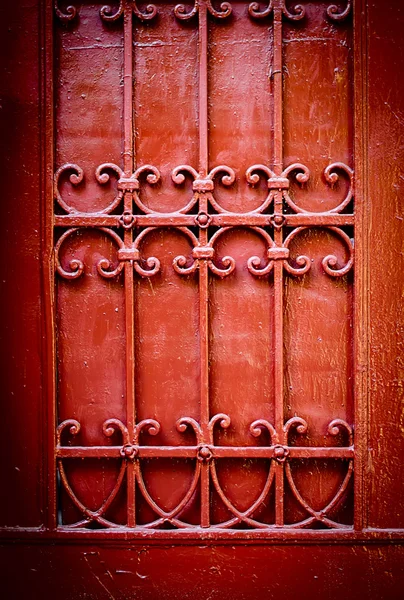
(219, 371)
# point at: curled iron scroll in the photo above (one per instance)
(152, 176)
(69, 14)
(76, 266)
(225, 10)
(180, 263)
(150, 11)
(255, 11)
(303, 261)
(253, 176)
(107, 12)
(152, 263)
(203, 185)
(91, 516)
(105, 267)
(334, 428)
(103, 177)
(255, 172)
(257, 427)
(228, 262)
(76, 177)
(329, 262)
(335, 14)
(181, 12)
(254, 262)
(331, 176)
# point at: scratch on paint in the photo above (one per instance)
(95, 47)
(95, 554)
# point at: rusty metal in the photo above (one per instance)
(127, 221)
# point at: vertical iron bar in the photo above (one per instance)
(203, 89)
(203, 265)
(361, 277)
(48, 279)
(278, 267)
(128, 159)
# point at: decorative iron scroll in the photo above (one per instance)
(127, 220)
(206, 455)
(261, 220)
(298, 12)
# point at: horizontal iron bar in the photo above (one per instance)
(219, 220)
(84, 220)
(121, 535)
(294, 452)
(295, 220)
(191, 452)
(88, 452)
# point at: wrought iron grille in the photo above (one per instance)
(279, 220)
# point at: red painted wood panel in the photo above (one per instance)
(185, 572)
(213, 342)
(386, 438)
(21, 306)
(92, 345)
